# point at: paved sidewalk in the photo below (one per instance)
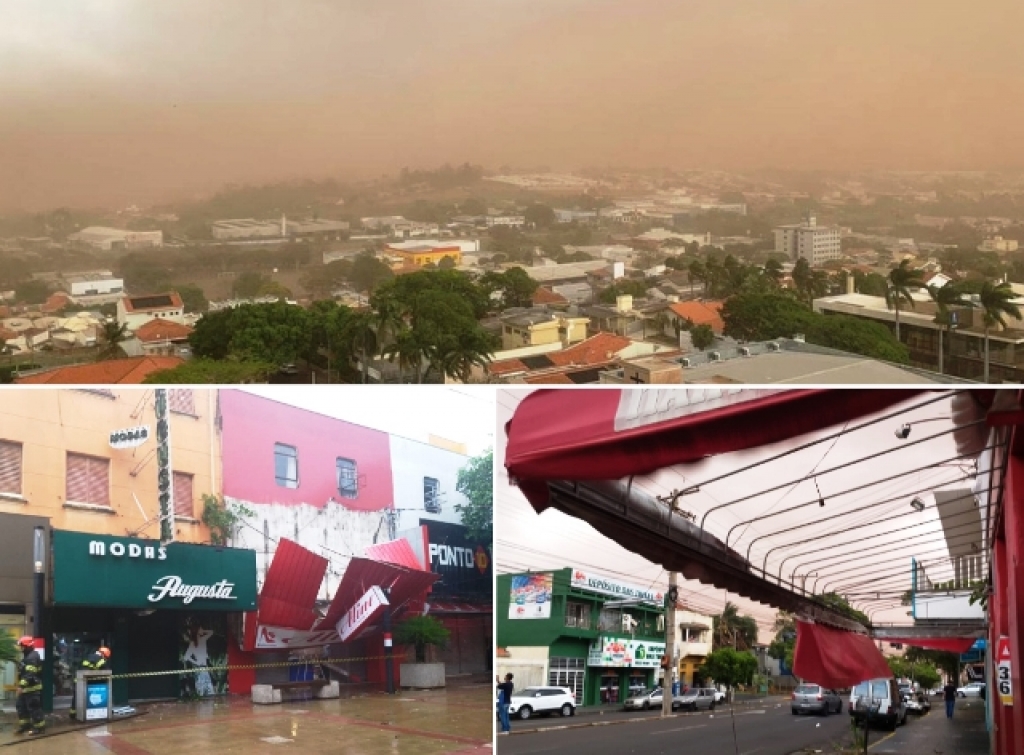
(457, 720)
(964, 734)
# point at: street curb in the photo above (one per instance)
(72, 729)
(611, 723)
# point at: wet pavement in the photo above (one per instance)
(456, 720)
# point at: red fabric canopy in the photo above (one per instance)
(611, 434)
(362, 574)
(835, 658)
(288, 597)
(956, 645)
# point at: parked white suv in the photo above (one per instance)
(971, 690)
(542, 701)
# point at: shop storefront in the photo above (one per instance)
(623, 667)
(17, 533)
(157, 607)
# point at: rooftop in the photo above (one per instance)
(127, 371)
(152, 301)
(159, 329)
(700, 313)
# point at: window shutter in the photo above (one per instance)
(181, 400)
(88, 480)
(10, 467)
(183, 502)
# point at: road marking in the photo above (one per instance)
(683, 728)
(887, 736)
(750, 713)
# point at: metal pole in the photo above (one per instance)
(670, 636)
(39, 568)
(389, 661)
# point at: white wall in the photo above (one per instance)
(528, 666)
(946, 605)
(345, 532)
(411, 461)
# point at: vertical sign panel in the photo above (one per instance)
(1004, 683)
(165, 487)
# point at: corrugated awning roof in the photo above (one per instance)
(288, 597)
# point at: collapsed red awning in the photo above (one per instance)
(611, 434)
(288, 597)
(956, 645)
(362, 574)
(397, 552)
(836, 658)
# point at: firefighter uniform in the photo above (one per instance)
(30, 689)
(93, 662)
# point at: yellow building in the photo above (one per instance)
(540, 327)
(58, 460)
(424, 254)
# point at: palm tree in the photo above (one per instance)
(901, 280)
(996, 301)
(773, 272)
(112, 334)
(732, 630)
(698, 272)
(361, 333)
(802, 278)
(950, 295)
(407, 351)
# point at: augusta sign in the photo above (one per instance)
(99, 570)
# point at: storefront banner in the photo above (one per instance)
(282, 638)
(618, 652)
(130, 437)
(595, 583)
(530, 596)
(100, 570)
(365, 610)
(97, 701)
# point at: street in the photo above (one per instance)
(766, 728)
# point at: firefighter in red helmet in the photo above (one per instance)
(93, 662)
(30, 689)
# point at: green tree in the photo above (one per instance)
(729, 667)
(539, 215)
(703, 336)
(31, 292)
(730, 629)
(368, 272)
(211, 337)
(996, 302)
(275, 333)
(901, 279)
(359, 333)
(9, 652)
(321, 282)
(857, 336)
(192, 297)
(773, 272)
(946, 297)
(142, 273)
(421, 632)
(112, 334)
(634, 288)
(698, 272)
(250, 285)
(761, 317)
(841, 605)
(446, 263)
(515, 286)
(476, 482)
(223, 519)
(802, 278)
(212, 372)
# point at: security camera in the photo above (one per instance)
(903, 432)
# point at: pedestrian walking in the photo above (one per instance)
(30, 689)
(93, 662)
(949, 691)
(504, 700)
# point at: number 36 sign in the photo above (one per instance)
(1003, 683)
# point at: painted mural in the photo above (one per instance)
(203, 652)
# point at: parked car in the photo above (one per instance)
(697, 698)
(813, 698)
(970, 690)
(719, 696)
(645, 700)
(879, 701)
(917, 703)
(542, 701)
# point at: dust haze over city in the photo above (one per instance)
(649, 135)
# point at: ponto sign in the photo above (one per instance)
(1004, 684)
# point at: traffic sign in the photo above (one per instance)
(1004, 684)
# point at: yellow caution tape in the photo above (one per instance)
(279, 664)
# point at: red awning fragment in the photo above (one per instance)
(288, 597)
(611, 434)
(397, 552)
(362, 574)
(835, 658)
(957, 645)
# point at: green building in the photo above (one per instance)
(601, 638)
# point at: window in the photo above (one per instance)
(181, 400)
(88, 480)
(286, 465)
(432, 495)
(348, 481)
(184, 504)
(10, 467)
(568, 672)
(577, 615)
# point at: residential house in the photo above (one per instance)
(136, 311)
(538, 326)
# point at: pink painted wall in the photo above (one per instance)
(251, 427)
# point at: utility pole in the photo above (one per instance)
(389, 662)
(670, 643)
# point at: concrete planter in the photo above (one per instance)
(422, 675)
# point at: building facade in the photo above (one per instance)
(810, 241)
(602, 639)
(418, 255)
(136, 311)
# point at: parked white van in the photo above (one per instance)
(880, 701)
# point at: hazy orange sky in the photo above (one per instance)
(120, 101)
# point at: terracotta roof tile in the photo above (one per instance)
(544, 295)
(554, 378)
(506, 366)
(132, 370)
(595, 350)
(701, 312)
(160, 329)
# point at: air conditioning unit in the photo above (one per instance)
(716, 356)
(744, 351)
(628, 623)
(661, 623)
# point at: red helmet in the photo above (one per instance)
(27, 642)
(105, 652)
